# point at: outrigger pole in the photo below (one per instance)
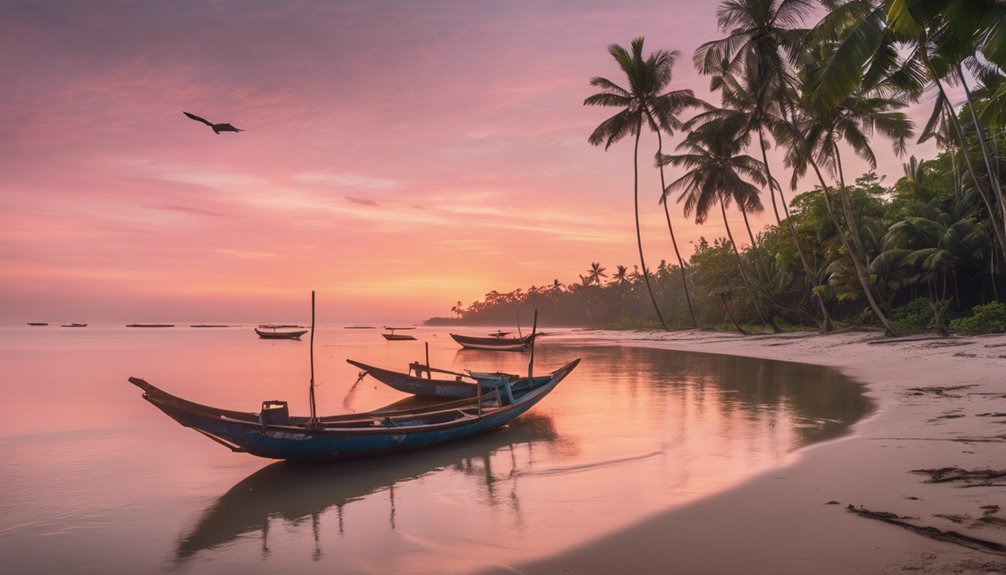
(530, 363)
(314, 418)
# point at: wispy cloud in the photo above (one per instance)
(362, 201)
(185, 210)
(245, 255)
(345, 180)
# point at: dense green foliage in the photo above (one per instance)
(924, 253)
(987, 318)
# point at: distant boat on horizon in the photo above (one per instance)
(280, 334)
(494, 342)
(150, 325)
(74, 325)
(209, 325)
(37, 323)
(358, 327)
(392, 336)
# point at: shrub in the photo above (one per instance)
(988, 318)
(865, 318)
(917, 315)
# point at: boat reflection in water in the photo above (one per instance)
(295, 493)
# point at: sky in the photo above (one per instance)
(397, 156)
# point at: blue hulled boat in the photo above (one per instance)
(274, 434)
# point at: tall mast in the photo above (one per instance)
(530, 363)
(314, 417)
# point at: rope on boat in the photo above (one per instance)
(352, 388)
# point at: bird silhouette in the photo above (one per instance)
(217, 128)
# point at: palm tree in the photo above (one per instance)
(761, 38)
(745, 103)
(647, 78)
(750, 66)
(621, 275)
(716, 175)
(662, 117)
(814, 137)
(458, 309)
(930, 243)
(939, 35)
(595, 273)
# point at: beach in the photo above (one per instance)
(919, 485)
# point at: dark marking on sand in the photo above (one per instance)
(938, 344)
(948, 416)
(938, 390)
(948, 474)
(893, 340)
(931, 532)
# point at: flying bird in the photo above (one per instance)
(217, 128)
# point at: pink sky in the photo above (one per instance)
(397, 156)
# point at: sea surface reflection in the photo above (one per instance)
(295, 494)
(104, 483)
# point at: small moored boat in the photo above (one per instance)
(494, 343)
(280, 334)
(392, 336)
(463, 385)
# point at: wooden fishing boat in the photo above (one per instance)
(273, 433)
(150, 325)
(37, 323)
(392, 336)
(279, 326)
(494, 343)
(280, 334)
(74, 325)
(463, 385)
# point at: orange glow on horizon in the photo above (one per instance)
(392, 179)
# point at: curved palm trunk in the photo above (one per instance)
(986, 155)
(861, 272)
(997, 225)
(639, 235)
(771, 188)
(740, 265)
(754, 244)
(760, 268)
(674, 242)
(850, 221)
(826, 324)
(730, 314)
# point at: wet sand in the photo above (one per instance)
(941, 403)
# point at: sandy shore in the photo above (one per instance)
(941, 403)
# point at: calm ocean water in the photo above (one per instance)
(95, 480)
